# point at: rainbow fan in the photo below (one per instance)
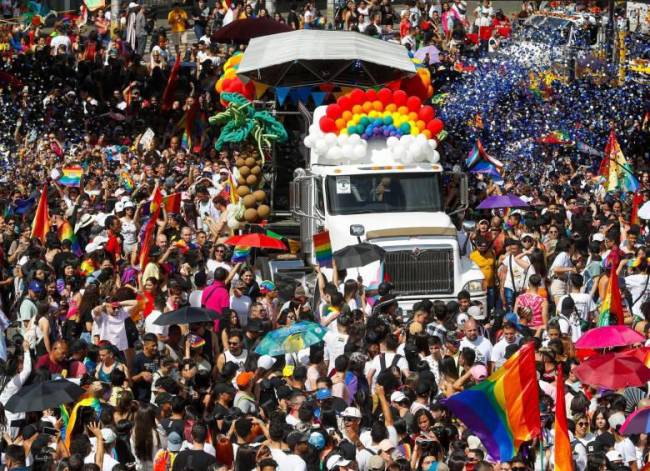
(409, 128)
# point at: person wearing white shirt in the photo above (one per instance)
(472, 340)
(560, 269)
(240, 303)
(510, 337)
(150, 326)
(389, 357)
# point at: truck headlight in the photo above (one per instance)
(474, 286)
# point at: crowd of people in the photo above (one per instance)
(193, 397)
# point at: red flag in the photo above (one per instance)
(563, 457)
(168, 94)
(41, 223)
(172, 203)
(637, 199)
(150, 228)
(156, 200)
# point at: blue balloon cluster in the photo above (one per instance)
(379, 127)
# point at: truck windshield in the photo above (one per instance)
(383, 193)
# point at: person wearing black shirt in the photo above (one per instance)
(293, 20)
(144, 366)
(195, 457)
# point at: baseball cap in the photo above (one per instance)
(398, 396)
(452, 338)
(322, 394)
(376, 463)
(267, 286)
(385, 445)
(296, 437)
(266, 362)
(129, 204)
(616, 420)
(174, 442)
(527, 236)
(461, 319)
(299, 291)
(477, 313)
(317, 440)
(119, 207)
(222, 388)
(244, 379)
(352, 412)
(479, 372)
(336, 460)
(598, 237)
(35, 286)
(108, 435)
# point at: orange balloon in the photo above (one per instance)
(367, 107)
(403, 110)
(356, 109)
(378, 105)
(413, 116)
(340, 123)
(420, 124)
(427, 133)
(347, 115)
(392, 107)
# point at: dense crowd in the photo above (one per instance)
(370, 396)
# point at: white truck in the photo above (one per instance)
(397, 206)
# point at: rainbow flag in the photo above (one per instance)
(156, 200)
(561, 138)
(71, 175)
(634, 213)
(67, 233)
(616, 169)
(127, 181)
(611, 308)
(478, 161)
(323, 249)
(41, 223)
(240, 254)
(563, 456)
(503, 424)
(87, 402)
(172, 203)
(150, 227)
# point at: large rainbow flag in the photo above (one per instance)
(616, 169)
(503, 424)
(67, 233)
(611, 308)
(562, 454)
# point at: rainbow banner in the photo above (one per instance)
(503, 425)
(616, 169)
(561, 138)
(611, 309)
(67, 233)
(87, 402)
(240, 254)
(323, 249)
(563, 456)
(126, 181)
(71, 175)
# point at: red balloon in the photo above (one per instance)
(394, 85)
(426, 113)
(413, 103)
(371, 95)
(385, 95)
(327, 124)
(345, 103)
(400, 97)
(435, 126)
(357, 96)
(334, 111)
(249, 90)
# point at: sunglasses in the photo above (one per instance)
(349, 419)
(233, 344)
(582, 424)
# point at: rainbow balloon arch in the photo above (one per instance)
(411, 129)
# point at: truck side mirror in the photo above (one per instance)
(459, 179)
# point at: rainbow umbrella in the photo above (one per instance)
(291, 339)
(637, 422)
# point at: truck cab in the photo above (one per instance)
(404, 208)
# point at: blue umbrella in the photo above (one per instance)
(291, 339)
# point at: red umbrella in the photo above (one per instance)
(613, 371)
(261, 241)
(242, 31)
(609, 336)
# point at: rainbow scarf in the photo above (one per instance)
(612, 307)
(71, 175)
(323, 249)
(87, 402)
(503, 425)
(67, 233)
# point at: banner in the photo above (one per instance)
(281, 93)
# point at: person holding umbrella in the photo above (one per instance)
(17, 370)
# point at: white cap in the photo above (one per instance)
(23, 260)
(108, 435)
(129, 204)
(598, 237)
(266, 362)
(133, 5)
(336, 460)
(461, 319)
(397, 396)
(476, 313)
(119, 207)
(351, 412)
(614, 455)
(616, 419)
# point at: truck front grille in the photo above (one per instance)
(421, 272)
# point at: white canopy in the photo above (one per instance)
(309, 57)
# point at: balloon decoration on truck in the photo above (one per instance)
(229, 82)
(409, 128)
(254, 132)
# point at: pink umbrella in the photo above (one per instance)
(637, 422)
(609, 336)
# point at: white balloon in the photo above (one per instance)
(343, 139)
(412, 153)
(433, 143)
(308, 141)
(321, 146)
(408, 139)
(354, 139)
(359, 152)
(399, 151)
(421, 138)
(314, 129)
(334, 153)
(407, 158)
(347, 151)
(421, 155)
(434, 157)
(330, 138)
(391, 142)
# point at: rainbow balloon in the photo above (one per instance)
(382, 113)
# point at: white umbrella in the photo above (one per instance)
(644, 211)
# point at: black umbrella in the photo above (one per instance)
(187, 315)
(358, 255)
(46, 395)
(242, 31)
